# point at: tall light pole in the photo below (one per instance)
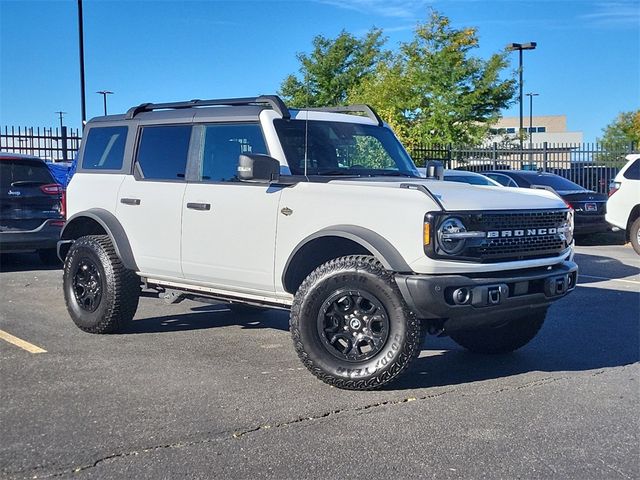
(104, 94)
(520, 47)
(531, 95)
(81, 45)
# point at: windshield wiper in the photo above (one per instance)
(337, 171)
(392, 174)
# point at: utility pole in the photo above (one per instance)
(60, 115)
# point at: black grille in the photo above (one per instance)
(517, 248)
(522, 242)
(515, 220)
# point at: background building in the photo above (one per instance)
(546, 128)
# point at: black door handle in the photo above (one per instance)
(199, 206)
(130, 201)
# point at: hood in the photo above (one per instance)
(463, 196)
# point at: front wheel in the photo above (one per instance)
(350, 325)
(504, 337)
(100, 293)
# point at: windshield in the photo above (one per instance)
(554, 181)
(340, 148)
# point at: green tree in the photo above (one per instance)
(334, 67)
(624, 130)
(433, 90)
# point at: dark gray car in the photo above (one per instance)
(31, 207)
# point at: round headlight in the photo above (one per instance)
(448, 239)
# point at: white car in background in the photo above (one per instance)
(623, 206)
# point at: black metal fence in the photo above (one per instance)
(591, 165)
(57, 145)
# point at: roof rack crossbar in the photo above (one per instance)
(359, 108)
(274, 101)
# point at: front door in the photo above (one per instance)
(228, 226)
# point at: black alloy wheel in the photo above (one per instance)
(353, 325)
(87, 285)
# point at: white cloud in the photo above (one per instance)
(383, 8)
(620, 13)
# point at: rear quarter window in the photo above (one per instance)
(633, 172)
(104, 148)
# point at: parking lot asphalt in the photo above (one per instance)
(194, 391)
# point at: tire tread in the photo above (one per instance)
(410, 349)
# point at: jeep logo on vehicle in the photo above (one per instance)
(529, 232)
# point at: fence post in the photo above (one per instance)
(63, 139)
(449, 155)
(494, 155)
(545, 153)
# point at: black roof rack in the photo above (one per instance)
(273, 100)
(360, 108)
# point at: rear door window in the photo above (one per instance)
(104, 148)
(163, 152)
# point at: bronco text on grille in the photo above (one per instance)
(518, 235)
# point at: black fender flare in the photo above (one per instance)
(379, 246)
(111, 226)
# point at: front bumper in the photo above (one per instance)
(465, 301)
(45, 236)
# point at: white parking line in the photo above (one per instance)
(18, 342)
(635, 282)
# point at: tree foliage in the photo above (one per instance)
(334, 67)
(625, 129)
(430, 89)
(434, 91)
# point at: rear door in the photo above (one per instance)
(29, 195)
(149, 203)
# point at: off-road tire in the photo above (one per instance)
(49, 256)
(244, 309)
(634, 230)
(119, 287)
(503, 337)
(367, 275)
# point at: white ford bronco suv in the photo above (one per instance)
(318, 211)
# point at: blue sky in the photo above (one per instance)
(587, 64)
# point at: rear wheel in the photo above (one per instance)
(350, 325)
(634, 235)
(503, 337)
(100, 293)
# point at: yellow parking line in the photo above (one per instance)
(18, 342)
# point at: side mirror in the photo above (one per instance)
(258, 168)
(435, 170)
